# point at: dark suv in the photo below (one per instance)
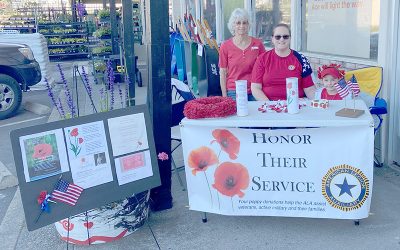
(18, 71)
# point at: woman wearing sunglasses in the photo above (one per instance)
(274, 66)
(238, 54)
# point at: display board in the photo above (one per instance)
(108, 156)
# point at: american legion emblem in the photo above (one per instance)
(345, 187)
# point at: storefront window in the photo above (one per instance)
(228, 7)
(342, 27)
(268, 14)
(209, 14)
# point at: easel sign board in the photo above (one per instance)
(111, 155)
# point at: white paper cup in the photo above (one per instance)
(292, 95)
(242, 108)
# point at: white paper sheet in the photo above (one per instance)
(128, 134)
(88, 154)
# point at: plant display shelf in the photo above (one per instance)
(66, 40)
(66, 45)
(24, 24)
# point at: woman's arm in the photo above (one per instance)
(310, 92)
(257, 92)
(222, 80)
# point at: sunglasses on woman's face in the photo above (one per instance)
(278, 37)
(242, 23)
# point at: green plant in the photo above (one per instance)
(100, 66)
(100, 50)
(102, 32)
(104, 14)
(55, 40)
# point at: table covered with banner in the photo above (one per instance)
(310, 164)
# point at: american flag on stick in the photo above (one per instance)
(355, 88)
(66, 192)
(342, 88)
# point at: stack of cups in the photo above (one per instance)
(292, 95)
(242, 108)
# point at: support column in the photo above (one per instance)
(159, 94)
(114, 28)
(129, 49)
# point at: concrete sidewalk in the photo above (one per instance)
(181, 228)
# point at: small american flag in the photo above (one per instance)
(66, 192)
(355, 88)
(342, 88)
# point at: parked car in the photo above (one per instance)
(18, 71)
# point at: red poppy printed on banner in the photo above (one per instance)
(231, 179)
(289, 85)
(200, 159)
(74, 132)
(229, 143)
(42, 151)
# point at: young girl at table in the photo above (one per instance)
(330, 75)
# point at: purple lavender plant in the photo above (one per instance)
(88, 87)
(127, 85)
(111, 82)
(50, 93)
(121, 97)
(81, 9)
(67, 92)
(102, 100)
(62, 112)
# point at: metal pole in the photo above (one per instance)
(129, 49)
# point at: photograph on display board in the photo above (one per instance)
(133, 167)
(129, 128)
(88, 154)
(43, 155)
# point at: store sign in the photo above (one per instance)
(315, 172)
(339, 27)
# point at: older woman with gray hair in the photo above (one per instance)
(238, 54)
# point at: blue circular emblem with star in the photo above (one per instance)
(345, 187)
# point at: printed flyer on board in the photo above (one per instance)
(43, 155)
(88, 154)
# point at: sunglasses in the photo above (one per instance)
(278, 37)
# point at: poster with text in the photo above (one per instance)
(340, 27)
(88, 154)
(128, 134)
(43, 154)
(133, 167)
(315, 172)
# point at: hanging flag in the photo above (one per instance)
(66, 192)
(342, 88)
(355, 88)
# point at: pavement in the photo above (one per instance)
(181, 228)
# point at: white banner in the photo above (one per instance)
(340, 27)
(314, 172)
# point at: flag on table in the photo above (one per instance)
(342, 88)
(355, 88)
(66, 192)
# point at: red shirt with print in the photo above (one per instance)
(272, 70)
(325, 95)
(239, 63)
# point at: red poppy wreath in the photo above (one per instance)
(210, 107)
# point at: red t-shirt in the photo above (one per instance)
(272, 70)
(325, 95)
(239, 63)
